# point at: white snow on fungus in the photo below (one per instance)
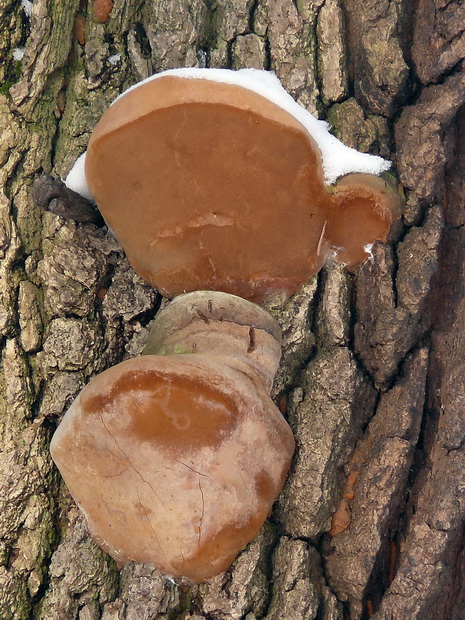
(337, 158)
(76, 179)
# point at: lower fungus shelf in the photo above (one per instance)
(176, 459)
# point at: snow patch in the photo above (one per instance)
(18, 53)
(369, 250)
(337, 158)
(76, 179)
(27, 7)
(114, 60)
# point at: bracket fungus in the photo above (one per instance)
(212, 180)
(176, 457)
(218, 180)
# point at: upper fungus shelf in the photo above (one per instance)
(217, 179)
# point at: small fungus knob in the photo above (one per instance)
(176, 458)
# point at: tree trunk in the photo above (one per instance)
(372, 381)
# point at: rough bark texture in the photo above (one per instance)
(372, 373)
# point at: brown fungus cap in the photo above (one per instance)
(176, 459)
(209, 185)
(361, 212)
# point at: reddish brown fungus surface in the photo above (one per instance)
(175, 460)
(79, 28)
(362, 206)
(172, 419)
(102, 10)
(209, 185)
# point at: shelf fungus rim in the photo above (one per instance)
(338, 159)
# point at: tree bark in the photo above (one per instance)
(372, 380)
